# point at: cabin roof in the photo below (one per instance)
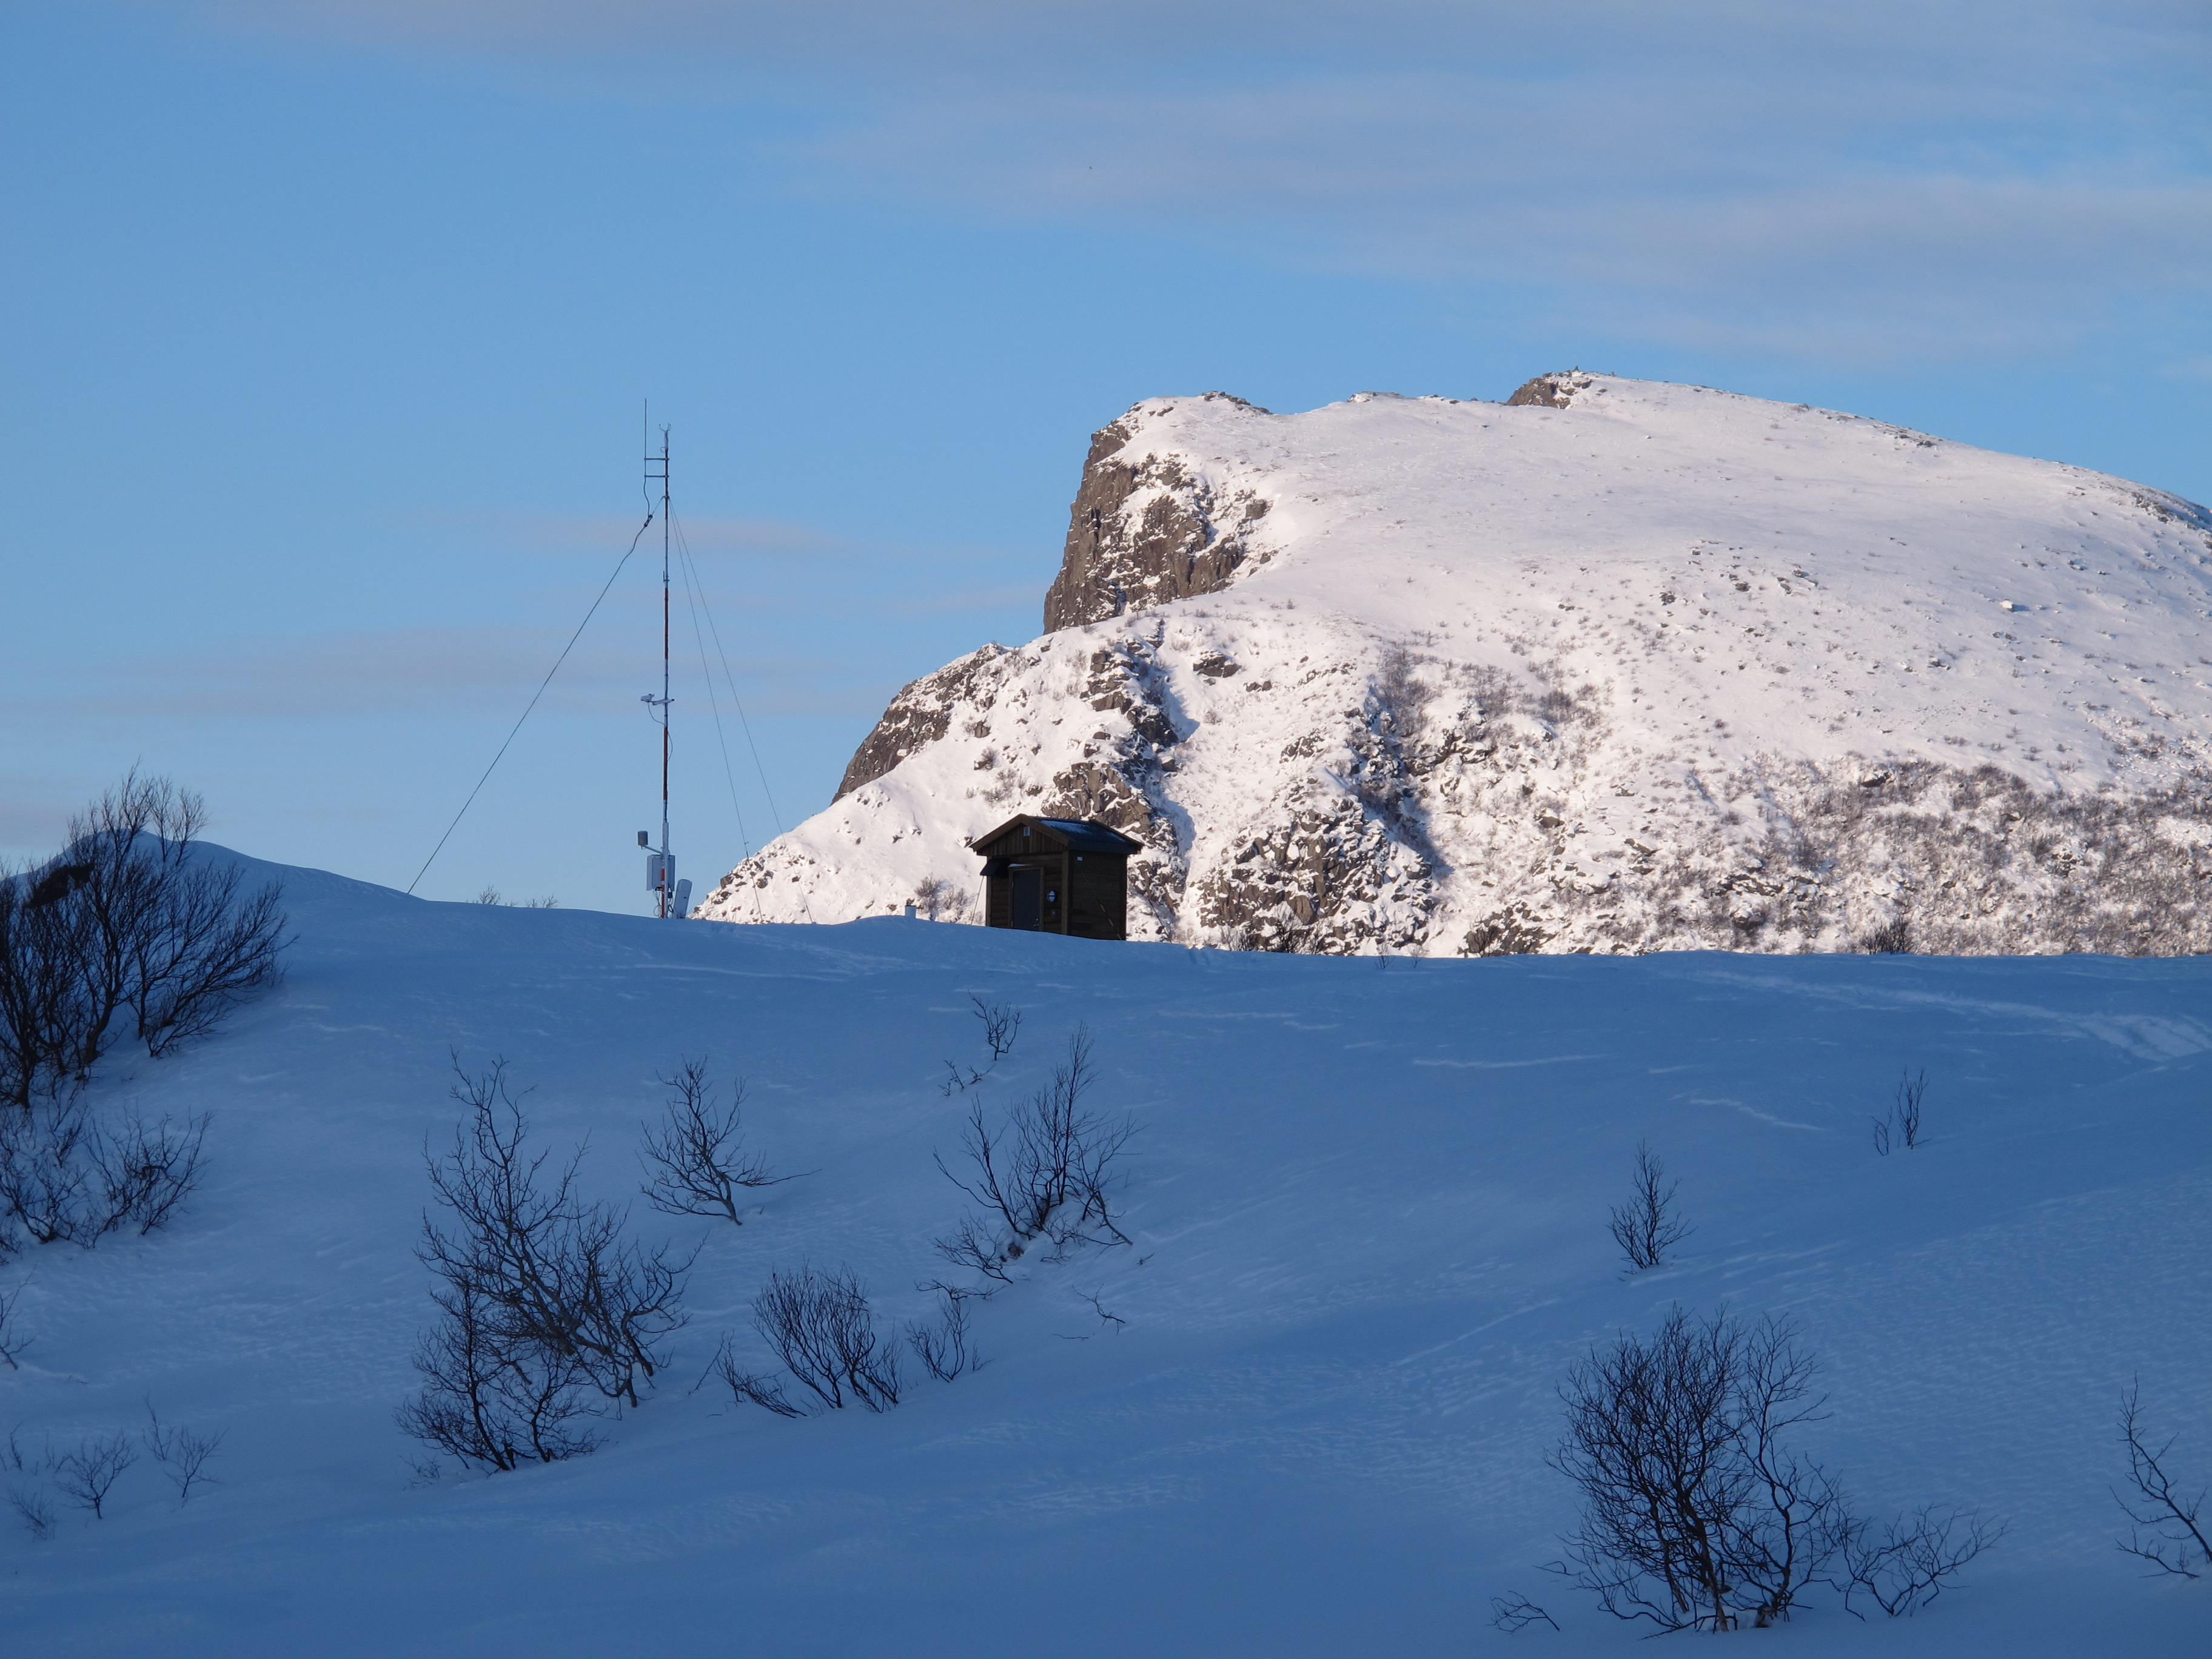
(1083, 834)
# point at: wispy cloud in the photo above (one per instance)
(1971, 178)
(598, 534)
(464, 673)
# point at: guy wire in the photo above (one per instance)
(540, 692)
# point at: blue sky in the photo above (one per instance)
(330, 321)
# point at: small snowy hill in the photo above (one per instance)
(1615, 666)
(1367, 1207)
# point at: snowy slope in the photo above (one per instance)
(1655, 668)
(1368, 1210)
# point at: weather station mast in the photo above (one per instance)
(671, 899)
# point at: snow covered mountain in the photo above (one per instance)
(1615, 666)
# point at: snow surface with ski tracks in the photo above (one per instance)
(1367, 1203)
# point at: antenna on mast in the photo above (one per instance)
(671, 899)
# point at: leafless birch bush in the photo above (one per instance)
(942, 1345)
(1047, 1172)
(182, 1453)
(1514, 1613)
(124, 936)
(1902, 1126)
(821, 1326)
(550, 1314)
(12, 1339)
(67, 1177)
(489, 1400)
(2164, 1525)
(1892, 938)
(86, 1475)
(749, 1388)
(694, 1160)
(125, 933)
(33, 1509)
(1698, 1513)
(1903, 1565)
(1646, 1227)
(937, 900)
(1002, 1023)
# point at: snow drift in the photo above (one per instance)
(1615, 666)
(1367, 1207)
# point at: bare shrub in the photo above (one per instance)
(959, 1078)
(178, 940)
(1907, 1112)
(66, 1177)
(973, 1242)
(87, 1474)
(822, 1329)
(1401, 701)
(12, 1339)
(939, 901)
(182, 1453)
(697, 1164)
(747, 1388)
(490, 894)
(33, 1509)
(1514, 1613)
(1892, 938)
(1002, 1023)
(1697, 1512)
(1904, 1565)
(124, 935)
(942, 1345)
(2165, 1527)
(146, 1169)
(545, 1298)
(1902, 1125)
(1645, 1227)
(1048, 1172)
(491, 1401)
(44, 947)
(47, 1180)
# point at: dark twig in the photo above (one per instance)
(2166, 1529)
(1645, 1227)
(1514, 1613)
(697, 1164)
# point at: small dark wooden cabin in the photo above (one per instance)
(1057, 876)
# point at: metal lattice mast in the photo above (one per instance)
(662, 866)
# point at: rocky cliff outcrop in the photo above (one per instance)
(1145, 530)
(919, 715)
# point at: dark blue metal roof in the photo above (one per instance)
(1083, 834)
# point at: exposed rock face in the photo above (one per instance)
(1143, 531)
(1550, 390)
(918, 717)
(1618, 667)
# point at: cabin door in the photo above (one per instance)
(1029, 896)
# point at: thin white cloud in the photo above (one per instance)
(1968, 178)
(605, 533)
